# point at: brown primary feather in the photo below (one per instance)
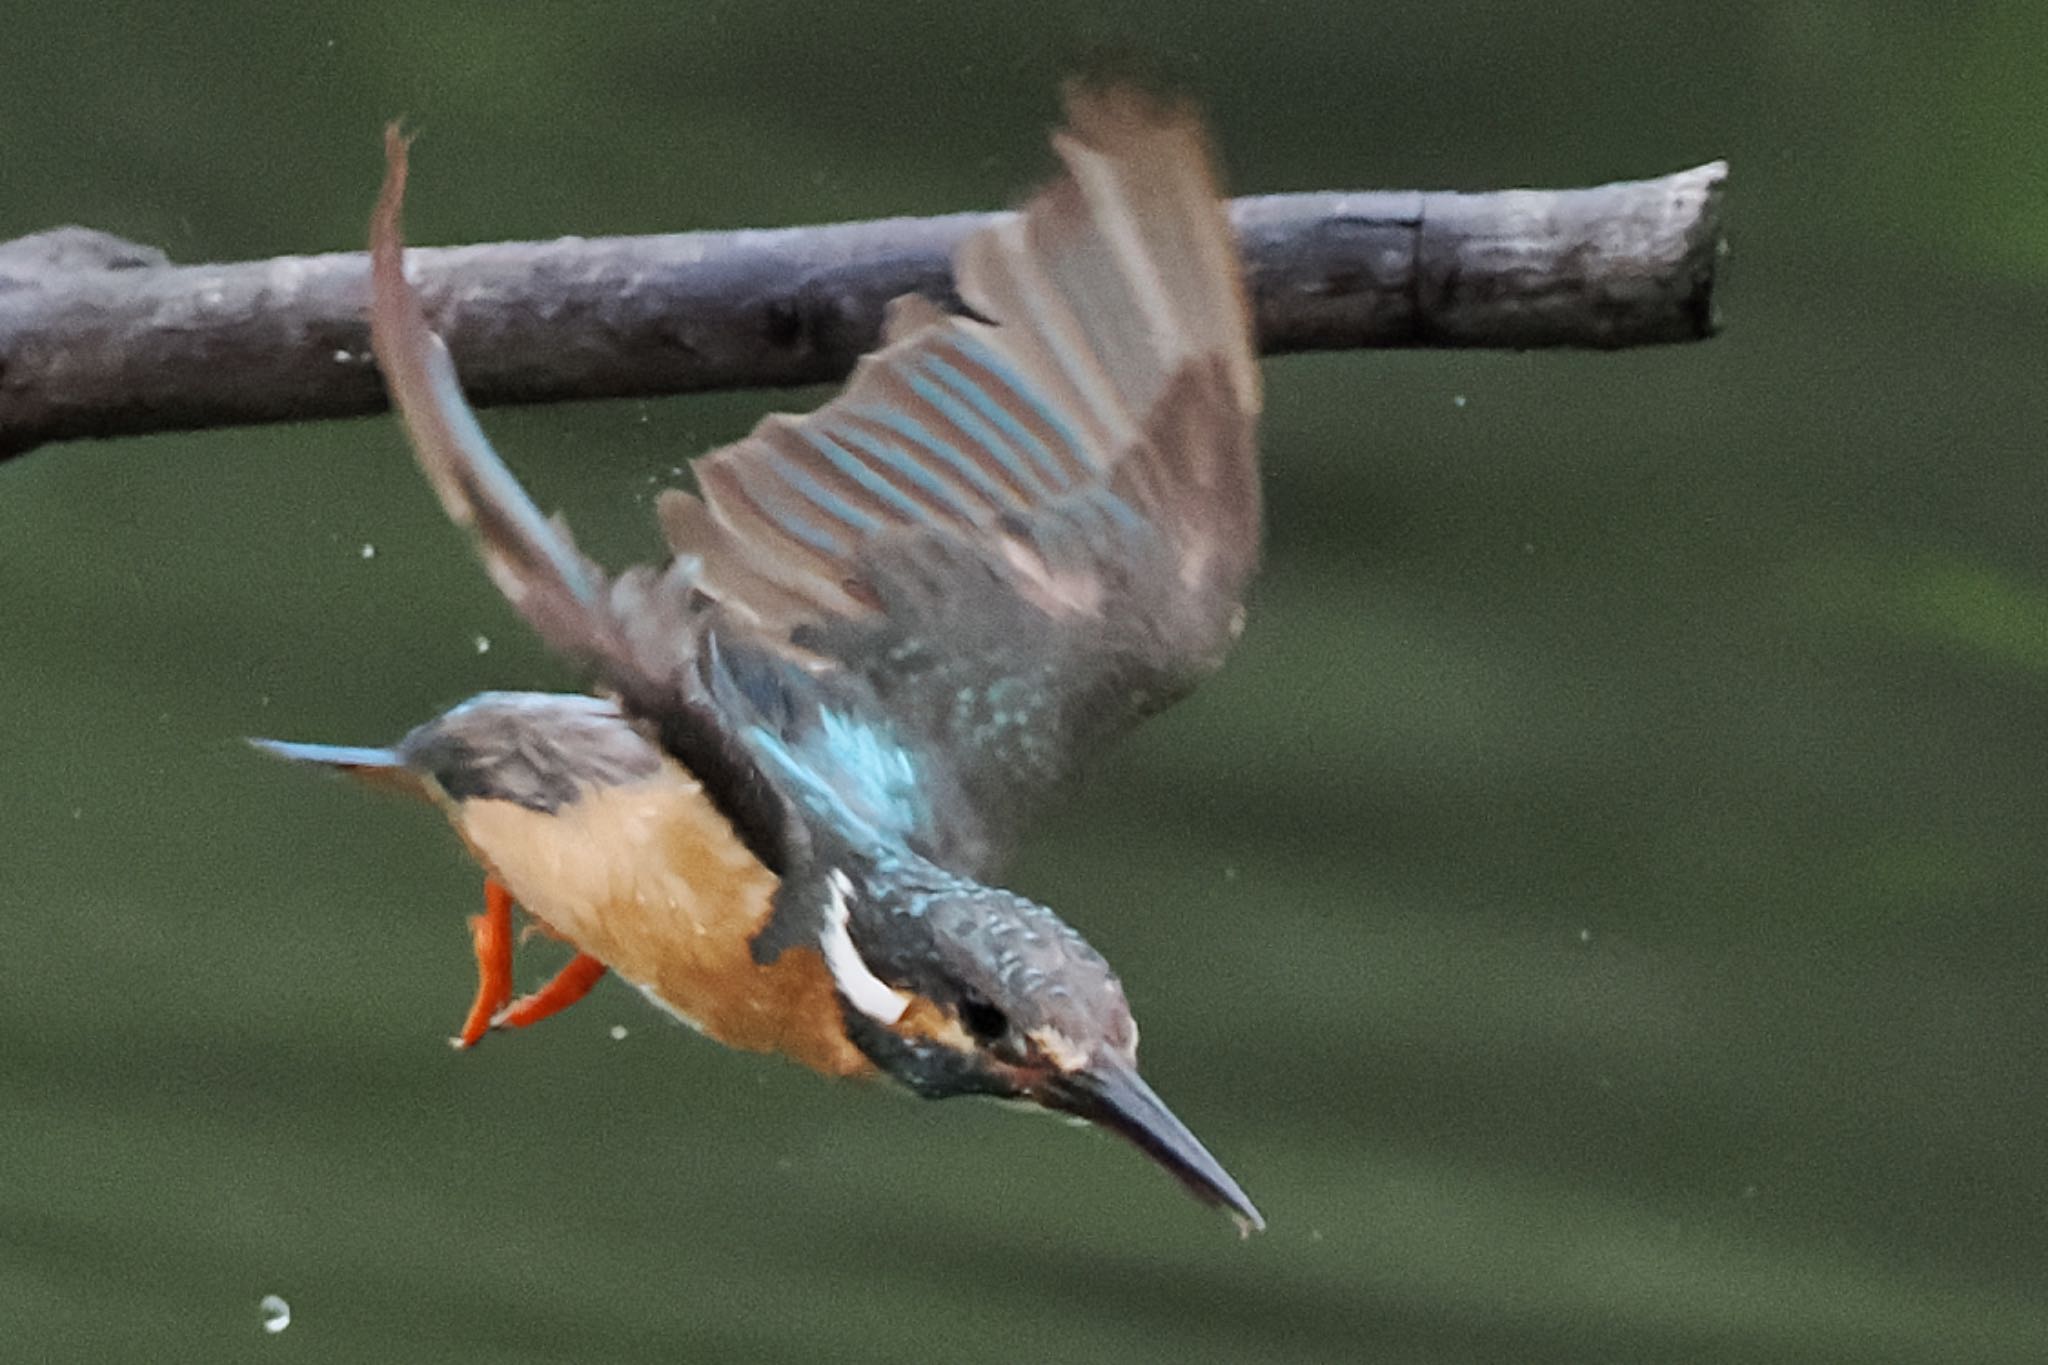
(1111, 286)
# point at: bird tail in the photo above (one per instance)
(374, 767)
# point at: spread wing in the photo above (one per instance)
(1010, 538)
(1023, 531)
(659, 662)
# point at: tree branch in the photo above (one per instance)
(100, 337)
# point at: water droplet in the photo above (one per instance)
(342, 357)
(1458, 401)
(618, 1032)
(483, 644)
(369, 550)
(1585, 935)
(277, 1314)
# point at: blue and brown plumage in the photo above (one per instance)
(891, 631)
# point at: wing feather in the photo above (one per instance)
(1009, 538)
(1058, 494)
(645, 632)
(1112, 282)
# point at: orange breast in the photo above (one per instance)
(649, 879)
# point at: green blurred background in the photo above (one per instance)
(1597, 915)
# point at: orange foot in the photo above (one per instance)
(570, 984)
(491, 936)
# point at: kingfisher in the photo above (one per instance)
(887, 634)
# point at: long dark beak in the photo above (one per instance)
(1115, 1097)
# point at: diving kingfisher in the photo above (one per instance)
(890, 631)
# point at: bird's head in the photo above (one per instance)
(954, 988)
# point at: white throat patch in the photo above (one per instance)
(871, 995)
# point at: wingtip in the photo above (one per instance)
(404, 343)
(1114, 99)
(532, 561)
(387, 237)
(1118, 111)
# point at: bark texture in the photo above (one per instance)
(101, 337)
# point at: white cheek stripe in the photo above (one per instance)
(871, 995)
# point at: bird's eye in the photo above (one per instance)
(982, 1020)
